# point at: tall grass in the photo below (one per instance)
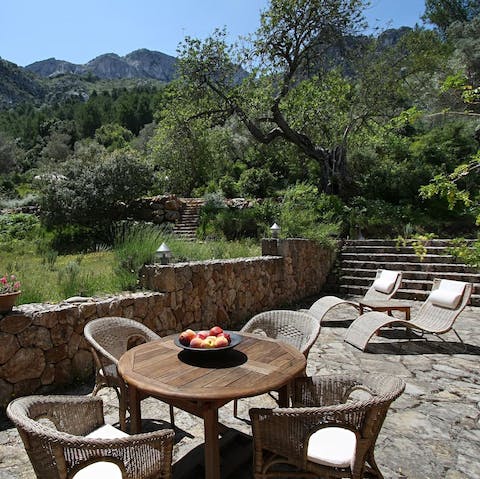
(47, 276)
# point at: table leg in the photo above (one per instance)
(283, 399)
(212, 443)
(135, 411)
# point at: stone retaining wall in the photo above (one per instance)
(42, 347)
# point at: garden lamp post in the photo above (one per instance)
(163, 253)
(275, 230)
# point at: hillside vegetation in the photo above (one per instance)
(340, 134)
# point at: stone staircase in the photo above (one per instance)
(359, 260)
(186, 227)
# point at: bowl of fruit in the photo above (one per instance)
(208, 340)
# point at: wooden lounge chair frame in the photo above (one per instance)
(431, 319)
(323, 305)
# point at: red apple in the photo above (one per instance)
(216, 330)
(221, 341)
(225, 335)
(196, 342)
(186, 336)
(203, 334)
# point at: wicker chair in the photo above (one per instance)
(55, 431)
(383, 288)
(331, 430)
(298, 329)
(433, 317)
(109, 338)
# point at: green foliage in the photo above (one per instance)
(306, 213)
(465, 251)
(256, 183)
(113, 136)
(135, 245)
(88, 196)
(221, 222)
(15, 229)
(443, 13)
(418, 242)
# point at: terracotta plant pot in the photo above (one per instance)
(8, 300)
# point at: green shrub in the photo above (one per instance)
(228, 186)
(307, 214)
(256, 183)
(135, 245)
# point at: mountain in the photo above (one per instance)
(143, 63)
(17, 85)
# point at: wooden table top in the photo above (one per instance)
(255, 366)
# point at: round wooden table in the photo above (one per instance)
(200, 383)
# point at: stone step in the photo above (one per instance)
(384, 249)
(440, 267)
(393, 243)
(398, 258)
(359, 260)
(416, 275)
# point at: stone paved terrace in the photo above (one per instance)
(431, 432)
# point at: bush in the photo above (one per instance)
(135, 245)
(307, 214)
(256, 183)
(88, 196)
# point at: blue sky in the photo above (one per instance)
(78, 31)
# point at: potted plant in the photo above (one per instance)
(9, 291)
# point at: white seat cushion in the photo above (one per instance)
(107, 431)
(332, 446)
(448, 294)
(102, 469)
(99, 470)
(386, 281)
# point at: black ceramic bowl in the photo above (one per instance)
(235, 339)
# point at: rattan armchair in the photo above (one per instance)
(298, 329)
(330, 431)
(109, 338)
(54, 429)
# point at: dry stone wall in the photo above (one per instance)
(42, 347)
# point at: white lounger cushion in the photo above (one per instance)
(448, 294)
(386, 281)
(102, 469)
(332, 446)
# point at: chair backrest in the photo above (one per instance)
(43, 422)
(112, 336)
(384, 286)
(359, 403)
(292, 327)
(438, 318)
(55, 431)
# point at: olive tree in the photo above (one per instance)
(294, 37)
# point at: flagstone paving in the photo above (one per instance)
(431, 432)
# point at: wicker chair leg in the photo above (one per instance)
(172, 417)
